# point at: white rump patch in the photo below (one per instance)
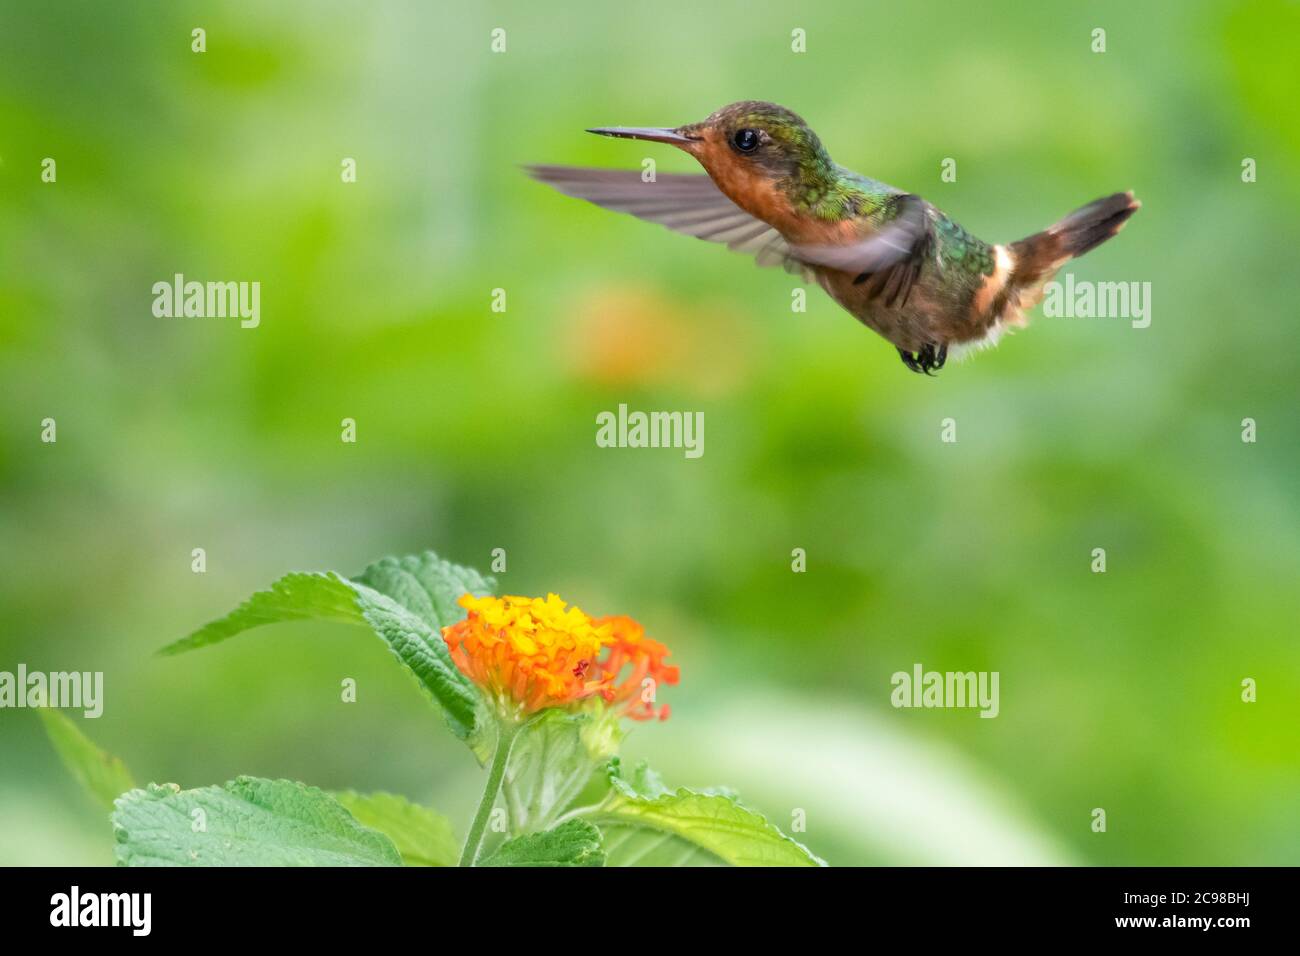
(1012, 316)
(960, 351)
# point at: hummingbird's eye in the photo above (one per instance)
(745, 140)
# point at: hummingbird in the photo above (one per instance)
(888, 257)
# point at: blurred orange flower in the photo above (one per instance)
(621, 336)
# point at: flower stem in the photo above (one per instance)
(505, 740)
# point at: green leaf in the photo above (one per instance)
(575, 843)
(641, 782)
(406, 602)
(427, 586)
(102, 775)
(553, 759)
(422, 836)
(247, 822)
(642, 846)
(712, 822)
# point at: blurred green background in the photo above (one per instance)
(476, 429)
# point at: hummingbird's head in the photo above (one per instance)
(760, 154)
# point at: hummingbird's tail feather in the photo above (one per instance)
(1088, 227)
(1036, 258)
(1041, 254)
(1024, 268)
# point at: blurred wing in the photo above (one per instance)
(689, 204)
(890, 259)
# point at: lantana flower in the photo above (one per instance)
(529, 654)
(643, 660)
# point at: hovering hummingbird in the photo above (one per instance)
(891, 259)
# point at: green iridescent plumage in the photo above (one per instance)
(827, 191)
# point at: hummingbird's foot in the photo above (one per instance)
(929, 359)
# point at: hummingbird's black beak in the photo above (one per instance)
(654, 134)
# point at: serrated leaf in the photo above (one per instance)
(427, 586)
(247, 822)
(102, 775)
(640, 782)
(404, 601)
(713, 822)
(642, 846)
(574, 843)
(422, 836)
